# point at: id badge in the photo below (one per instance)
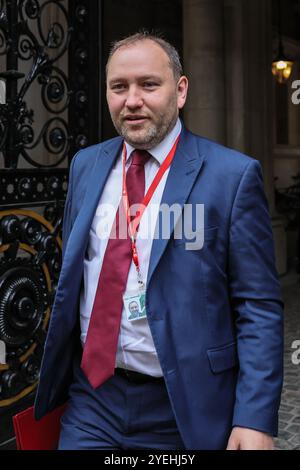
(134, 304)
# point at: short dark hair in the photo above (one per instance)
(170, 50)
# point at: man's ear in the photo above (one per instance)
(182, 89)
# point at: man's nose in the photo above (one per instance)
(134, 98)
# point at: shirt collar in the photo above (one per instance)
(160, 151)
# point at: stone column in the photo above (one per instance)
(235, 74)
(228, 56)
(203, 45)
(249, 95)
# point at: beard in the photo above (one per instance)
(151, 133)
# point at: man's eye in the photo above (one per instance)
(150, 84)
(118, 86)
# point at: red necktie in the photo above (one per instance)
(99, 353)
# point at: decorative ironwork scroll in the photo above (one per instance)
(42, 50)
(29, 268)
(51, 109)
(30, 242)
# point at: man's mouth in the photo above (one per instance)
(135, 119)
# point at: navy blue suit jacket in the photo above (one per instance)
(215, 314)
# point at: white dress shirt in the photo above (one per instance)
(136, 350)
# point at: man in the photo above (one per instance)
(203, 368)
(134, 310)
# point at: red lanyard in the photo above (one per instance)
(134, 224)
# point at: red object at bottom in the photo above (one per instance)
(37, 435)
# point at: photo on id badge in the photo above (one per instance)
(135, 307)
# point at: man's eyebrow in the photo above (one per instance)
(140, 79)
(116, 80)
(150, 77)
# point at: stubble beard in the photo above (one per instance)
(149, 137)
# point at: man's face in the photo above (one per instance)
(143, 97)
(133, 307)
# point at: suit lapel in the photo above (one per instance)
(182, 175)
(100, 171)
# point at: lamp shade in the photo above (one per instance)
(282, 69)
(281, 65)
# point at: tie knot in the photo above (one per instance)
(140, 157)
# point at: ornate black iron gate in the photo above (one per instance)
(49, 108)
